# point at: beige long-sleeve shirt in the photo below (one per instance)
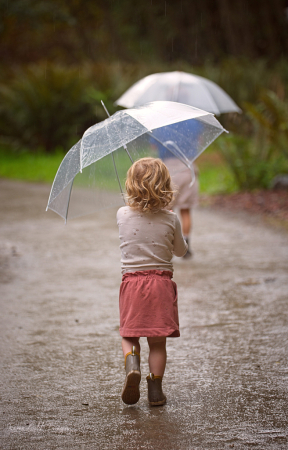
(149, 240)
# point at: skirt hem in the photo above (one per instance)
(148, 332)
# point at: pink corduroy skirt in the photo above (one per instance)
(148, 304)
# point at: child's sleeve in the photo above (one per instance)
(119, 215)
(180, 246)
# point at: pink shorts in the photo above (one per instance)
(148, 304)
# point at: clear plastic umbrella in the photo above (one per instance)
(179, 87)
(92, 174)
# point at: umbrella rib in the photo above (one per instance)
(118, 177)
(175, 154)
(177, 148)
(68, 203)
(113, 156)
(125, 148)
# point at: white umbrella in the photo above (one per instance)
(96, 166)
(179, 87)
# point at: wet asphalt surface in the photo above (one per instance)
(62, 368)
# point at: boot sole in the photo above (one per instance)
(160, 403)
(131, 393)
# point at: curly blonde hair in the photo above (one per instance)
(148, 185)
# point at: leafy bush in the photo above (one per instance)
(270, 117)
(45, 107)
(257, 156)
(253, 163)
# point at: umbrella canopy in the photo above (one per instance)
(179, 87)
(96, 166)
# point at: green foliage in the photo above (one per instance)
(252, 162)
(216, 179)
(257, 149)
(270, 117)
(44, 107)
(49, 105)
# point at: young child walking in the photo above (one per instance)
(150, 235)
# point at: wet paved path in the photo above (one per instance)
(62, 370)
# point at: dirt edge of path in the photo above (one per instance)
(272, 206)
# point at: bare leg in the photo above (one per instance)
(186, 221)
(128, 343)
(157, 355)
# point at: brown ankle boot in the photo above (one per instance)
(131, 393)
(155, 393)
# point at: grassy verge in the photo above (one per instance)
(214, 177)
(26, 166)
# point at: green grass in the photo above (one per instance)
(216, 180)
(215, 176)
(26, 166)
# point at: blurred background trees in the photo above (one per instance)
(59, 59)
(96, 30)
